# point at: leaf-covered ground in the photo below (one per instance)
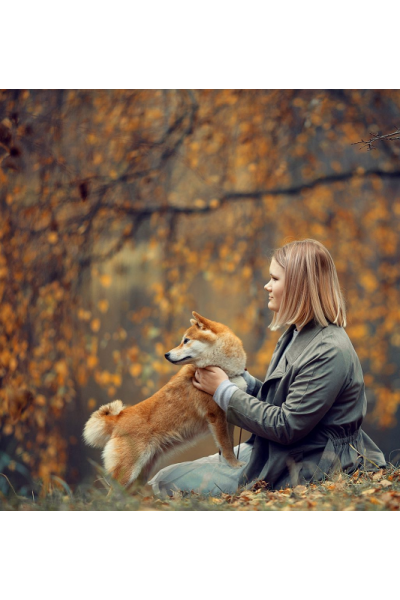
(361, 491)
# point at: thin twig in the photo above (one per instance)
(102, 479)
(364, 457)
(376, 137)
(9, 483)
(219, 487)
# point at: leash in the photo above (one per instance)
(240, 437)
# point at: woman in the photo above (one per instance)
(306, 416)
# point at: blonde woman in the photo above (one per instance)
(306, 416)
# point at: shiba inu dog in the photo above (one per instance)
(134, 438)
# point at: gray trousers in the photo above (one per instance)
(209, 476)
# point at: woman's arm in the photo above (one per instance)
(309, 398)
(253, 384)
(215, 382)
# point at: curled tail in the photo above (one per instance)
(100, 425)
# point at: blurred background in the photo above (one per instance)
(124, 210)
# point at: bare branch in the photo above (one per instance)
(376, 137)
(223, 197)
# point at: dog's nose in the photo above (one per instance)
(166, 355)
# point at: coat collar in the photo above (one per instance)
(306, 334)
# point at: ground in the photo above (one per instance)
(359, 492)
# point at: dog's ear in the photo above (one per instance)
(202, 322)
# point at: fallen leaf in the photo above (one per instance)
(374, 500)
(245, 497)
(315, 495)
(386, 497)
(368, 491)
(385, 483)
(217, 500)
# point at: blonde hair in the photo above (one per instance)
(311, 286)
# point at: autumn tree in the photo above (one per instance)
(201, 185)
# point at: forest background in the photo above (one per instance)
(124, 210)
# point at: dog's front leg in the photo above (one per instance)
(223, 435)
(231, 431)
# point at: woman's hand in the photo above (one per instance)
(208, 379)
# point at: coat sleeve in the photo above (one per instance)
(253, 384)
(310, 396)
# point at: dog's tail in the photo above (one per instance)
(99, 427)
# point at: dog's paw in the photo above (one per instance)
(235, 464)
(238, 464)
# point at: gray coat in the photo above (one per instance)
(306, 417)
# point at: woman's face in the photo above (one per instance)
(275, 285)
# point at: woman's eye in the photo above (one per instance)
(186, 340)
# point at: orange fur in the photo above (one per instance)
(136, 437)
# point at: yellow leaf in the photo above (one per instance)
(117, 379)
(84, 315)
(95, 325)
(375, 501)
(135, 370)
(102, 305)
(92, 361)
(40, 400)
(368, 491)
(61, 368)
(160, 350)
(369, 281)
(121, 333)
(105, 280)
(52, 237)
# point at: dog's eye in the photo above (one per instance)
(186, 340)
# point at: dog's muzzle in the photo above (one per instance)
(175, 362)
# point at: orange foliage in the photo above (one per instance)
(200, 186)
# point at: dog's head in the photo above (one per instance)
(207, 343)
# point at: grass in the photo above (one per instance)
(361, 491)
